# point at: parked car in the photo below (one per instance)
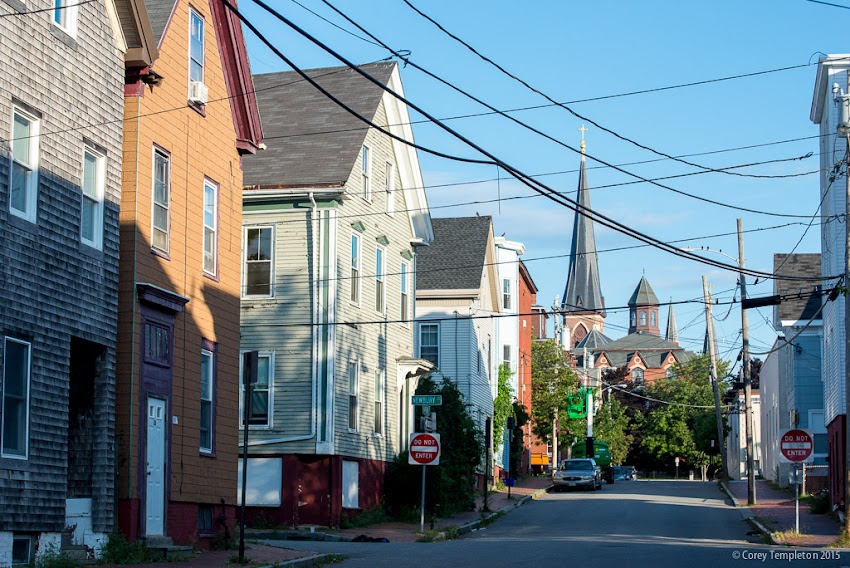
(576, 473)
(624, 472)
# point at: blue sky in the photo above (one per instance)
(573, 51)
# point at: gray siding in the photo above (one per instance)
(52, 287)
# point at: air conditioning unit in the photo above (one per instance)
(198, 93)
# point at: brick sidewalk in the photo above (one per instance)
(775, 509)
(258, 554)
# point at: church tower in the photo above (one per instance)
(672, 331)
(582, 306)
(643, 309)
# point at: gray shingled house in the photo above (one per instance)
(333, 215)
(60, 180)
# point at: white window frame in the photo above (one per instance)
(366, 172)
(213, 254)
(350, 484)
(380, 280)
(436, 326)
(638, 376)
(31, 212)
(246, 261)
(209, 398)
(354, 395)
(356, 269)
(507, 299)
(404, 316)
(389, 189)
(26, 399)
(96, 198)
(380, 398)
(270, 355)
(64, 16)
(165, 206)
(507, 350)
(195, 16)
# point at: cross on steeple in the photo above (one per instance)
(582, 130)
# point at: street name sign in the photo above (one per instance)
(427, 399)
(424, 449)
(796, 446)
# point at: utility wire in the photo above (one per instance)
(52, 8)
(829, 4)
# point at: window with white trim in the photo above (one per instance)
(405, 293)
(506, 293)
(506, 355)
(380, 288)
(353, 395)
(429, 342)
(23, 190)
(259, 263)
(379, 401)
(196, 47)
(262, 393)
(366, 170)
(637, 376)
(65, 15)
(355, 268)
(94, 183)
(207, 385)
(389, 189)
(161, 200)
(17, 365)
(210, 227)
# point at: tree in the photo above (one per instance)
(552, 381)
(503, 406)
(612, 425)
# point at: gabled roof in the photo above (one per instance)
(801, 300)
(311, 141)
(643, 294)
(159, 12)
(455, 259)
(583, 292)
(642, 342)
(593, 341)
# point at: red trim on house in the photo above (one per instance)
(237, 78)
(835, 438)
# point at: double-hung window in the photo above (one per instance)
(355, 268)
(380, 288)
(196, 47)
(207, 389)
(94, 181)
(506, 355)
(161, 200)
(210, 227)
(429, 342)
(65, 15)
(405, 292)
(17, 357)
(389, 189)
(23, 192)
(353, 395)
(379, 401)
(260, 410)
(258, 262)
(366, 169)
(506, 293)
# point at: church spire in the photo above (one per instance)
(583, 292)
(672, 332)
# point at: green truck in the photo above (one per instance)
(601, 454)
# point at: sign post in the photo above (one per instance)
(796, 446)
(424, 450)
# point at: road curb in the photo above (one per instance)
(305, 562)
(474, 525)
(748, 515)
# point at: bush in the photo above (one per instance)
(118, 550)
(365, 518)
(55, 558)
(819, 503)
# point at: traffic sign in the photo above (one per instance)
(427, 400)
(796, 446)
(424, 449)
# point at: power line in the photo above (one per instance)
(829, 4)
(535, 185)
(51, 9)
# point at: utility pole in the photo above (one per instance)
(709, 325)
(745, 363)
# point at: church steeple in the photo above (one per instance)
(583, 304)
(643, 309)
(672, 331)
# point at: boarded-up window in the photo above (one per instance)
(350, 484)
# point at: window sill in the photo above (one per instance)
(207, 454)
(63, 35)
(213, 277)
(20, 222)
(200, 109)
(161, 254)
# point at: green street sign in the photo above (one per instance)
(427, 400)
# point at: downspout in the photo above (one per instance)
(313, 394)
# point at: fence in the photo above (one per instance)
(815, 478)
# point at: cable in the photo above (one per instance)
(650, 399)
(563, 106)
(828, 4)
(334, 25)
(51, 9)
(536, 186)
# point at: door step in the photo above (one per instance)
(163, 548)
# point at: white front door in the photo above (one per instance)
(155, 468)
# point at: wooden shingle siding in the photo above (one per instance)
(52, 287)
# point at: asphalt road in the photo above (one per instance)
(628, 524)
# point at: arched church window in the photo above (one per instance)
(652, 319)
(579, 334)
(637, 376)
(634, 318)
(643, 318)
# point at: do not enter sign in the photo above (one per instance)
(424, 449)
(796, 446)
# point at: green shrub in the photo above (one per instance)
(55, 558)
(118, 550)
(365, 518)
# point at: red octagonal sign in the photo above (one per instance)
(424, 449)
(796, 446)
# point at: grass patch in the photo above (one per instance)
(842, 542)
(428, 536)
(783, 536)
(487, 521)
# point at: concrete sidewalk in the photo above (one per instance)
(775, 512)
